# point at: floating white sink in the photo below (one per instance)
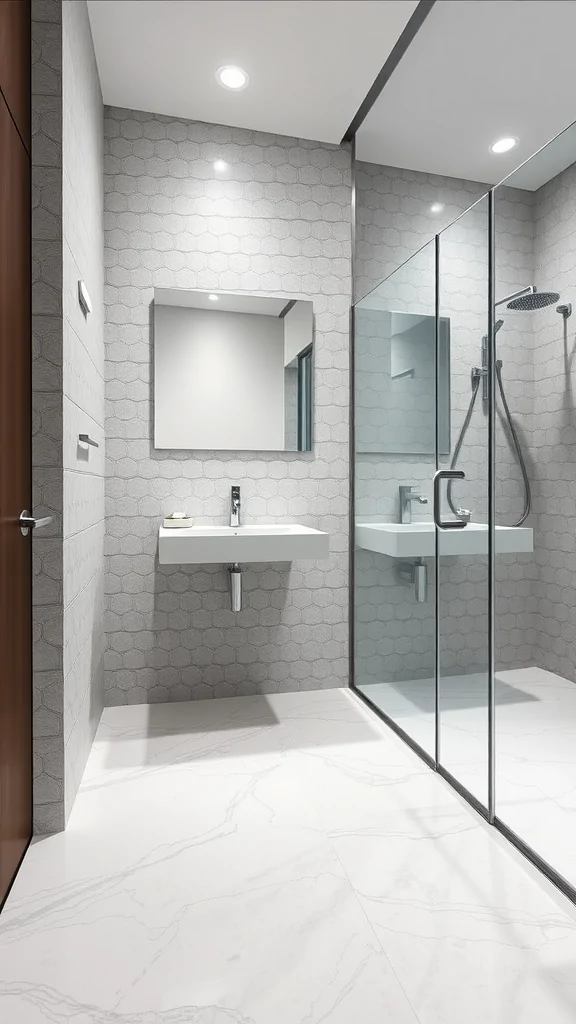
(201, 544)
(418, 540)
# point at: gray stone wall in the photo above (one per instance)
(83, 394)
(47, 483)
(553, 430)
(68, 398)
(394, 216)
(275, 221)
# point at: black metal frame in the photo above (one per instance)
(437, 704)
(553, 876)
(351, 422)
(491, 511)
(413, 25)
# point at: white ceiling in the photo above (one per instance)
(547, 163)
(311, 62)
(476, 71)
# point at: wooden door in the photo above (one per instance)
(15, 441)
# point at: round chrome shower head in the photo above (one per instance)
(534, 300)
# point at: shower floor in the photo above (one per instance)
(535, 747)
(280, 859)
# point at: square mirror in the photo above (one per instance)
(396, 393)
(232, 372)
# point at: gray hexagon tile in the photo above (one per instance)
(68, 398)
(47, 414)
(275, 221)
(553, 430)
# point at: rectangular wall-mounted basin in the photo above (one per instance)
(418, 540)
(255, 543)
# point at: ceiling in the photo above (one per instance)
(547, 163)
(310, 62)
(479, 70)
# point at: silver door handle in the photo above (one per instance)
(446, 474)
(28, 522)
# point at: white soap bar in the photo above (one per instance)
(178, 521)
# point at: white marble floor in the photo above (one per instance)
(277, 860)
(535, 748)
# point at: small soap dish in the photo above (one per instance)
(178, 521)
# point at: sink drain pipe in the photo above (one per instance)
(235, 577)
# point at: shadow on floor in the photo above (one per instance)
(456, 694)
(177, 733)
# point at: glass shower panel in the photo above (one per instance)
(463, 598)
(535, 580)
(395, 460)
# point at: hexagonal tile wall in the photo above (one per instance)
(47, 418)
(275, 221)
(67, 398)
(554, 430)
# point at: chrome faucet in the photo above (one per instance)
(407, 496)
(235, 506)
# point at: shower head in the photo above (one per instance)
(498, 325)
(534, 300)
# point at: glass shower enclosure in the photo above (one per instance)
(465, 507)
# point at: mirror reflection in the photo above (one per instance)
(396, 381)
(232, 372)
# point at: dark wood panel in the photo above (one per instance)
(15, 495)
(15, 62)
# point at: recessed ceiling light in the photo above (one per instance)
(232, 77)
(220, 165)
(436, 207)
(213, 298)
(504, 145)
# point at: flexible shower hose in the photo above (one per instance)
(513, 435)
(517, 447)
(460, 442)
